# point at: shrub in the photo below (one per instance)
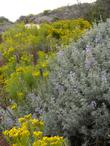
(23, 58)
(77, 95)
(99, 11)
(24, 54)
(30, 133)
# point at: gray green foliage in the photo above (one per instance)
(76, 98)
(100, 10)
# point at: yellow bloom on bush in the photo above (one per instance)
(41, 54)
(37, 134)
(10, 50)
(25, 133)
(36, 74)
(12, 59)
(39, 143)
(35, 121)
(13, 106)
(6, 133)
(44, 65)
(45, 74)
(15, 145)
(28, 117)
(31, 129)
(20, 94)
(21, 120)
(19, 69)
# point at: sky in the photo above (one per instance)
(13, 9)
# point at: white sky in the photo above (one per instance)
(13, 9)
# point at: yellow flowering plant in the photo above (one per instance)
(25, 54)
(30, 133)
(24, 57)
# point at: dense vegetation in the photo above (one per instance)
(100, 10)
(4, 25)
(76, 102)
(24, 58)
(55, 78)
(30, 133)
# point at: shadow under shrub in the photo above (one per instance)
(77, 94)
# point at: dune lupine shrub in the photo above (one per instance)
(30, 133)
(77, 94)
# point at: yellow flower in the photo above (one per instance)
(37, 134)
(14, 135)
(39, 143)
(36, 74)
(25, 124)
(13, 132)
(5, 53)
(6, 133)
(10, 50)
(25, 133)
(21, 120)
(44, 64)
(28, 116)
(20, 94)
(13, 106)
(56, 140)
(15, 144)
(11, 59)
(41, 54)
(45, 74)
(35, 122)
(20, 69)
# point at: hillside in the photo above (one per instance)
(96, 11)
(66, 12)
(4, 24)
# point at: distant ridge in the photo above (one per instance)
(4, 24)
(66, 12)
(96, 11)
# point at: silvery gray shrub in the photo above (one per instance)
(76, 98)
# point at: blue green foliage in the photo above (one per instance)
(77, 95)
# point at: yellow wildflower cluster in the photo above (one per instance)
(13, 106)
(17, 132)
(12, 59)
(44, 64)
(45, 74)
(20, 94)
(49, 141)
(28, 120)
(8, 52)
(11, 50)
(31, 129)
(20, 69)
(41, 54)
(36, 73)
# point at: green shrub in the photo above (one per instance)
(77, 95)
(25, 50)
(99, 11)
